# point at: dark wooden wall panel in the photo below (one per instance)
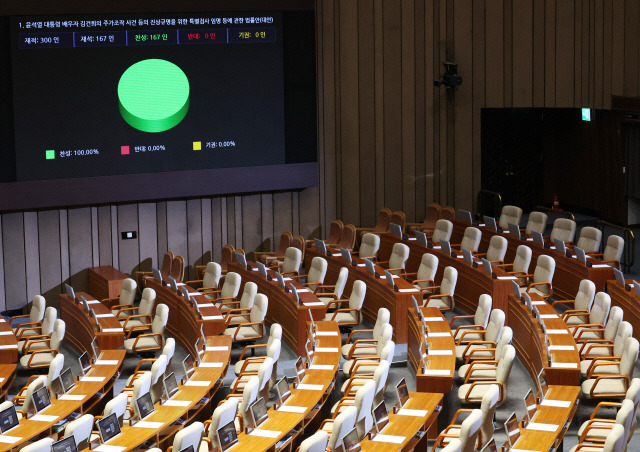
(49, 250)
(80, 258)
(147, 236)
(32, 254)
(128, 249)
(15, 279)
(194, 238)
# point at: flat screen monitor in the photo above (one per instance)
(490, 223)
(8, 419)
(395, 229)
(67, 444)
(421, 237)
(283, 390)
(580, 254)
(185, 292)
(67, 380)
(514, 229)
(537, 237)
(490, 446)
(259, 412)
(262, 269)
(300, 371)
(41, 399)
(389, 278)
(346, 255)
(464, 215)
(70, 292)
(402, 391)
(85, 363)
(380, 416)
(95, 348)
(560, 246)
(241, 259)
(294, 292)
(619, 277)
(446, 246)
(108, 427)
(543, 386)
(156, 274)
(530, 406)
(280, 279)
(145, 405)
(309, 350)
(417, 308)
(516, 289)
(173, 283)
(486, 266)
(350, 442)
(170, 385)
(512, 430)
(467, 256)
(85, 303)
(636, 287)
(56, 387)
(320, 246)
(227, 436)
(528, 301)
(368, 263)
(189, 448)
(188, 366)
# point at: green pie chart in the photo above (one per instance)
(153, 95)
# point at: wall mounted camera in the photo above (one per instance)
(450, 78)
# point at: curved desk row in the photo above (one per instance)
(7, 375)
(8, 343)
(628, 301)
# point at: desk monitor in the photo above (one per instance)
(280, 280)
(636, 287)
(85, 363)
(350, 441)
(312, 326)
(464, 215)
(490, 223)
(309, 350)
(403, 392)
(514, 229)
(71, 293)
(516, 289)
(170, 385)
(241, 259)
(580, 254)
(320, 246)
(346, 255)
(446, 247)
(145, 405)
(486, 266)
(543, 386)
(188, 366)
(619, 277)
(421, 237)
(368, 263)
(185, 293)
(41, 399)
(395, 229)
(512, 430)
(174, 284)
(227, 436)
(189, 448)
(527, 299)
(85, 303)
(95, 348)
(380, 416)
(530, 406)
(56, 387)
(259, 412)
(67, 380)
(67, 444)
(299, 370)
(294, 292)
(283, 390)
(200, 349)
(157, 275)
(560, 246)
(92, 314)
(8, 419)
(203, 337)
(490, 446)
(262, 269)
(108, 427)
(389, 278)
(537, 237)
(468, 256)
(417, 308)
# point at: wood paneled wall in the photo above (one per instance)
(395, 140)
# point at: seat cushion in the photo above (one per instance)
(604, 387)
(39, 359)
(440, 303)
(251, 367)
(488, 371)
(342, 317)
(346, 349)
(599, 433)
(477, 392)
(143, 343)
(461, 348)
(364, 366)
(245, 332)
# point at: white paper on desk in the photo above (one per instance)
(3, 320)
(10, 346)
(288, 279)
(265, 433)
(437, 372)
(408, 290)
(507, 277)
(326, 350)
(112, 330)
(100, 316)
(9, 439)
(565, 365)
(548, 316)
(529, 239)
(303, 290)
(542, 427)
(336, 254)
(205, 305)
(315, 303)
(561, 347)
(6, 333)
(211, 365)
(538, 303)
(108, 448)
(408, 412)
(385, 276)
(292, 409)
(380, 438)
(440, 334)
(255, 269)
(72, 397)
(92, 378)
(326, 333)
(93, 301)
(440, 352)
(308, 387)
(148, 424)
(217, 348)
(574, 256)
(600, 266)
(522, 450)
(1, 379)
(434, 319)
(197, 383)
(556, 403)
(321, 367)
(43, 418)
(177, 403)
(437, 247)
(106, 362)
(212, 317)
(362, 265)
(180, 284)
(552, 247)
(557, 332)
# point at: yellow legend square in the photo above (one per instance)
(197, 145)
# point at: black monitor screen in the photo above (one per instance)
(67, 444)
(8, 419)
(227, 436)
(68, 381)
(170, 385)
(108, 427)
(259, 412)
(402, 391)
(85, 362)
(145, 405)
(41, 399)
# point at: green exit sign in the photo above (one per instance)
(586, 114)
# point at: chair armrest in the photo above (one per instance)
(594, 344)
(137, 316)
(604, 404)
(471, 344)
(134, 347)
(491, 350)
(467, 397)
(37, 352)
(26, 349)
(356, 345)
(458, 317)
(249, 338)
(332, 302)
(23, 316)
(574, 313)
(480, 365)
(607, 361)
(337, 311)
(610, 377)
(471, 330)
(251, 347)
(136, 328)
(481, 331)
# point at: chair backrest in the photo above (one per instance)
(625, 330)
(455, 445)
(249, 395)
(469, 431)
(315, 443)
(495, 325)
(80, 429)
(504, 367)
(364, 404)
(614, 248)
(177, 268)
(57, 336)
(158, 370)
(117, 405)
(471, 239)
(483, 311)
(380, 376)
(226, 256)
(386, 334)
(285, 242)
(274, 348)
(128, 292)
(189, 436)
(168, 350)
(522, 260)
(383, 318)
(398, 217)
(586, 293)
(231, 285)
(248, 295)
(341, 282)
(259, 309)
(488, 407)
(212, 274)
(50, 316)
(264, 374)
(629, 357)
(537, 222)
(428, 268)
(147, 302)
(384, 218)
(55, 367)
(33, 387)
(449, 280)
(160, 319)
(633, 393)
(589, 239)
(497, 248)
(616, 439)
(335, 232)
(141, 386)
(432, 215)
(222, 415)
(317, 272)
(348, 237)
(275, 332)
(442, 231)
(370, 245)
(509, 214)
(42, 445)
(545, 268)
(600, 309)
(615, 319)
(388, 351)
(358, 293)
(448, 213)
(563, 229)
(167, 260)
(505, 339)
(342, 424)
(625, 415)
(292, 259)
(38, 306)
(399, 255)
(298, 242)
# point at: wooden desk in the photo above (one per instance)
(412, 428)
(294, 423)
(440, 368)
(530, 343)
(94, 394)
(542, 441)
(628, 301)
(81, 327)
(472, 282)
(282, 307)
(8, 343)
(7, 375)
(569, 271)
(105, 282)
(184, 322)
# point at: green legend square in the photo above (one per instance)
(50, 154)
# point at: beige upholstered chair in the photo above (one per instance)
(582, 303)
(597, 315)
(537, 223)
(253, 327)
(467, 432)
(126, 298)
(399, 255)
(423, 278)
(152, 337)
(366, 346)
(39, 353)
(80, 429)
(597, 429)
(252, 363)
(229, 291)
(612, 252)
(509, 215)
(210, 279)
(42, 445)
(444, 300)
(222, 415)
(429, 223)
(563, 229)
(542, 277)
(497, 250)
(589, 239)
(442, 231)
(369, 246)
(606, 330)
(246, 301)
(613, 386)
(601, 350)
(356, 363)
(470, 240)
(188, 436)
(482, 361)
(45, 328)
(342, 424)
(349, 316)
(136, 316)
(35, 316)
(315, 443)
(329, 292)
(465, 333)
(474, 392)
(264, 373)
(315, 274)
(520, 265)
(291, 263)
(487, 338)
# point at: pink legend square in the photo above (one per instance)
(124, 150)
